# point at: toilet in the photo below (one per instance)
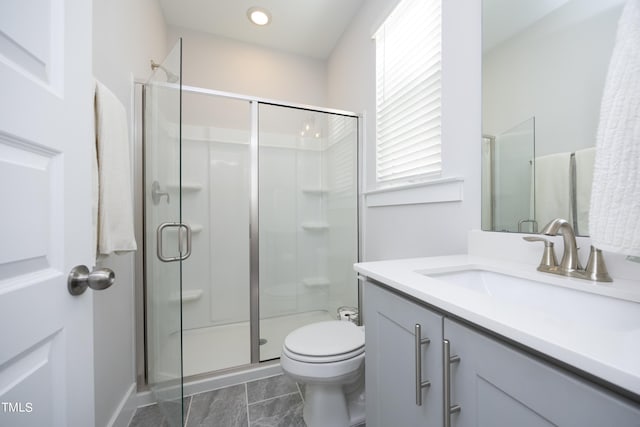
(328, 358)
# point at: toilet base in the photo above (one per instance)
(347, 410)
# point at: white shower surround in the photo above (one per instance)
(301, 263)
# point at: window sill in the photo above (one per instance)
(435, 191)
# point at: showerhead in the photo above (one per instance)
(171, 78)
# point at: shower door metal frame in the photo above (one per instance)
(254, 227)
(254, 232)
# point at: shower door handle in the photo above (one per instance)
(160, 243)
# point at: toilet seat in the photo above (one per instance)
(324, 342)
(322, 359)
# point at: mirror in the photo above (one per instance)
(544, 64)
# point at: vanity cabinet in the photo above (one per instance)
(498, 385)
(390, 367)
(492, 383)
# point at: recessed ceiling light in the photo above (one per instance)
(259, 16)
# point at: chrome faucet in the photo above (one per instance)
(570, 264)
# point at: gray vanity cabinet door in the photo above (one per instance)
(390, 366)
(499, 386)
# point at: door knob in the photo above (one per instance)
(80, 279)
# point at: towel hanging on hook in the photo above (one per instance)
(113, 206)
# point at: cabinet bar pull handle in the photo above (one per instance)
(447, 361)
(419, 341)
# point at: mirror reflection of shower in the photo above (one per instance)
(522, 191)
(507, 179)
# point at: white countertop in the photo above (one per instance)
(612, 355)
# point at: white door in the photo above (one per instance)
(46, 100)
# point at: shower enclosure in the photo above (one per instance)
(251, 226)
(508, 171)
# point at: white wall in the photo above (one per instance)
(127, 34)
(224, 64)
(419, 229)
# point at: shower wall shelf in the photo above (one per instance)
(196, 228)
(187, 187)
(316, 282)
(315, 191)
(188, 295)
(315, 225)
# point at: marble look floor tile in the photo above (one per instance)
(154, 416)
(270, 387)
(283, 411)
(226, 407)
(186, 403)
(148, 416)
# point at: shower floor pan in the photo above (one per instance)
(221, 347)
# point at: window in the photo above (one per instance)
(408, 46)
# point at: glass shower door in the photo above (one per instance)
(165, 238)
(216, 136)
(308, 225)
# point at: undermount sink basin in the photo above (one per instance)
(585, 308)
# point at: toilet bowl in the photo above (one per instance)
(328, 358)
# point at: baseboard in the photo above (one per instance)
(127, 407)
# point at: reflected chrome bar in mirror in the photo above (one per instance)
(535, 65)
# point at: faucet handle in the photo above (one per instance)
(537, 239)
(549, 259)
(596, 268)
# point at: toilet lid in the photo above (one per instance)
(324, 339)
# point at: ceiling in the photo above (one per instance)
(304, 27)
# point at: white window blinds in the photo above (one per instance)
(408, 46)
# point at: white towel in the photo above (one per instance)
(115, 206)
(552, 188)
(614, 215)
(584, 178)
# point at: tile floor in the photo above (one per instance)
(270, 402)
